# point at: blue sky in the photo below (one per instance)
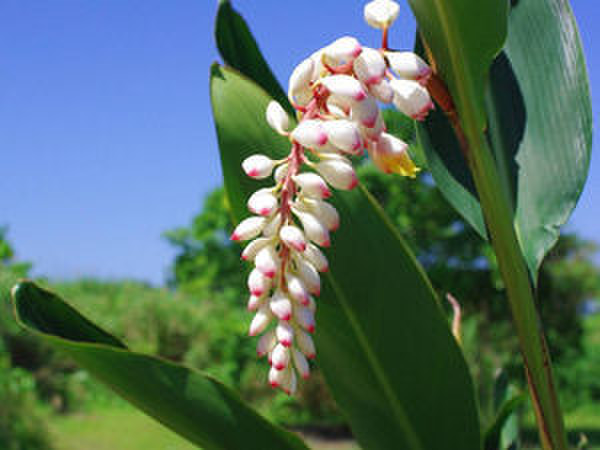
(105, 127)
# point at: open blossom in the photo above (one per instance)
(335, 93)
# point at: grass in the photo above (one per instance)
(124, 428)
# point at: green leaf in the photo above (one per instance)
(464, 37)
(539, 127)
(199, 408)
(239, 49)
(383, 341)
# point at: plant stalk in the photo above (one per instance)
(498, 218)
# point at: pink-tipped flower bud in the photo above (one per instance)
(272, 225)
(297, 289)
(299, 91)
(267, 261)
(314, 230)
(310, 276)
(382, 91)
(258, 166)
(279, 378)
(310, 133)
(254, 302)
(312, 305)
(342, 51)
(280, 173)
(281, 306)
(338, 173)
(325, 213)
(280, 358)
(284, 333)
(305, 318)
(277, 118)
(290, 387)
(366, 112)
(254, 247)
(300, 363)
(409, 65)
(381, 14)
(316, 257)
(370, 67)
(263, 202)
(312, 185)
(266, 343)
(261, 320)
(345, 88)
(411, 98)
(248, 229)
(344, 134)
(390, 155)
(374, 133)
(305, 344)
(293, 237)
(258, 284)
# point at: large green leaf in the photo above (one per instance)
(539, 127)
(196, 406)
(239, 49)
(383, 342)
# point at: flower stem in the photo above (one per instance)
(498, 218)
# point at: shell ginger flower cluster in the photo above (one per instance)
(335, 93)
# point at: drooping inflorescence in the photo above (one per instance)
(335, 93)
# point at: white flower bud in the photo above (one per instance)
(258, 166)
(280, 358)
(316, 257)
(310, 133)
(310, 276)
(314, 230)
(277, 117)
(258, 284)
(409, 65)
(366, 112)
(370, 67)
(382, 91)
(266, 343)
(338, 173)
(345, 88)
(281, 172)
(293, 237)
(312, 185)
(279, 378)
(254, 302)
(281, 306)
(381, 14)
(263, 202)
(324, 213)
(342, 51)
(411, 98)
(297, 289)
(299, 91)
(305, 318)
(254, 247)
(261, 319)
(344, 134)
(285, 333)
(291, 385)
(267, 261)
(272, 226)
(312, 305)
(305, 344)
(301, 363)
(248, 229)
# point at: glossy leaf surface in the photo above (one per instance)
(538, 124)
(196, 406)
